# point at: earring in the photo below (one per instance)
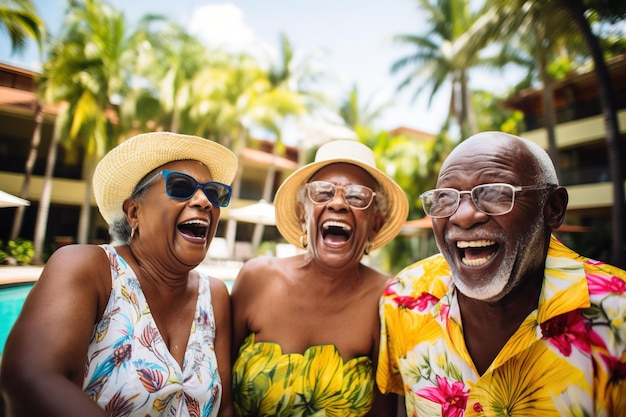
(132, 232)
(304, 241)
(368, 248)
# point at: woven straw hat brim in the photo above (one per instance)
(121, 169)
(286, 202)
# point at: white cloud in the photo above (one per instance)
(222, 26)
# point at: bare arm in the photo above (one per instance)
(44, 358)
(242, 297)
(222, 311)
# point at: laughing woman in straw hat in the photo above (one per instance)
(307, 326)
(130, 329)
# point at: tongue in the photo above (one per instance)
(335, 238)
(478, 253)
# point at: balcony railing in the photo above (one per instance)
(586, 175)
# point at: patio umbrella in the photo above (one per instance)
(259, 213)
(9, 200)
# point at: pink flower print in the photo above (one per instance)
(570, 329)
(421, 302)
(478, 407)
(599, 284)
(444, 312)
(452, 397)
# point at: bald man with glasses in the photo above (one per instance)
(506, 320)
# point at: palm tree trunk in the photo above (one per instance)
(259, 228)
(84, 220)
(231, 227)
(613, 144)
(549, 113)
(28, 170)
(44, 203)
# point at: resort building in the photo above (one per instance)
(583, 158)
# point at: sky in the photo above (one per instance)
(351, 40)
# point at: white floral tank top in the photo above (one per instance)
(129, 369)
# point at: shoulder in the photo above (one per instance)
(218, 286)
(258, 276)
(79, 258)
(260, 269)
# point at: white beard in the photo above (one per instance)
(525, 251)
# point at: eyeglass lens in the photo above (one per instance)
(357, 196)
(182, 187)
(493, 199)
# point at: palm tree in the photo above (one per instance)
(445, 53)
(21, 21)
(547, 26)
(358, 114)
(613, 11)
(168, 59)
(83, 71)
(535, 35)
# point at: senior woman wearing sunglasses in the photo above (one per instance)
(130, 328)
(307, 327)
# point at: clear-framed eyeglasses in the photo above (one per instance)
(493, 199)
(356, 196)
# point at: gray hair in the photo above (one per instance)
(119, 229)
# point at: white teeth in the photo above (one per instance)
(198, 222)
(474, 243)
(333, 223)
(477, 262)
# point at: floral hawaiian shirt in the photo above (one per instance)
(568, 357)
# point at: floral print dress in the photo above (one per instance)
(568, 358)
(129, 369)
(267, 382)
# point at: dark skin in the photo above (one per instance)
(44, 360)
(325, 296)
(499, 294)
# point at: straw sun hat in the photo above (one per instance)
(351, 152)
(119, 172)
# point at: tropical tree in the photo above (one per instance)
(537, 36)
(84, 71)
(547, 25)
(166, 61)
(20, 20)
(613, 11)
(444, 54)
(283, 96)
(357, 113)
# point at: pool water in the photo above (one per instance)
(11, 300)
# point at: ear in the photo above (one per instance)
(300, 212)
(555, 207)
(379, 221)
(130, 209)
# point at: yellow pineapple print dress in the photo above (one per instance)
(318, 382)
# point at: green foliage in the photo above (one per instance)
(20, 251)
(3, 254)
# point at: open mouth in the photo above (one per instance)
(194, 228)
(476, 252)
(336, 232)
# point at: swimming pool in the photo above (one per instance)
(12, 298)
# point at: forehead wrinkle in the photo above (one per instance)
(479, 169)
